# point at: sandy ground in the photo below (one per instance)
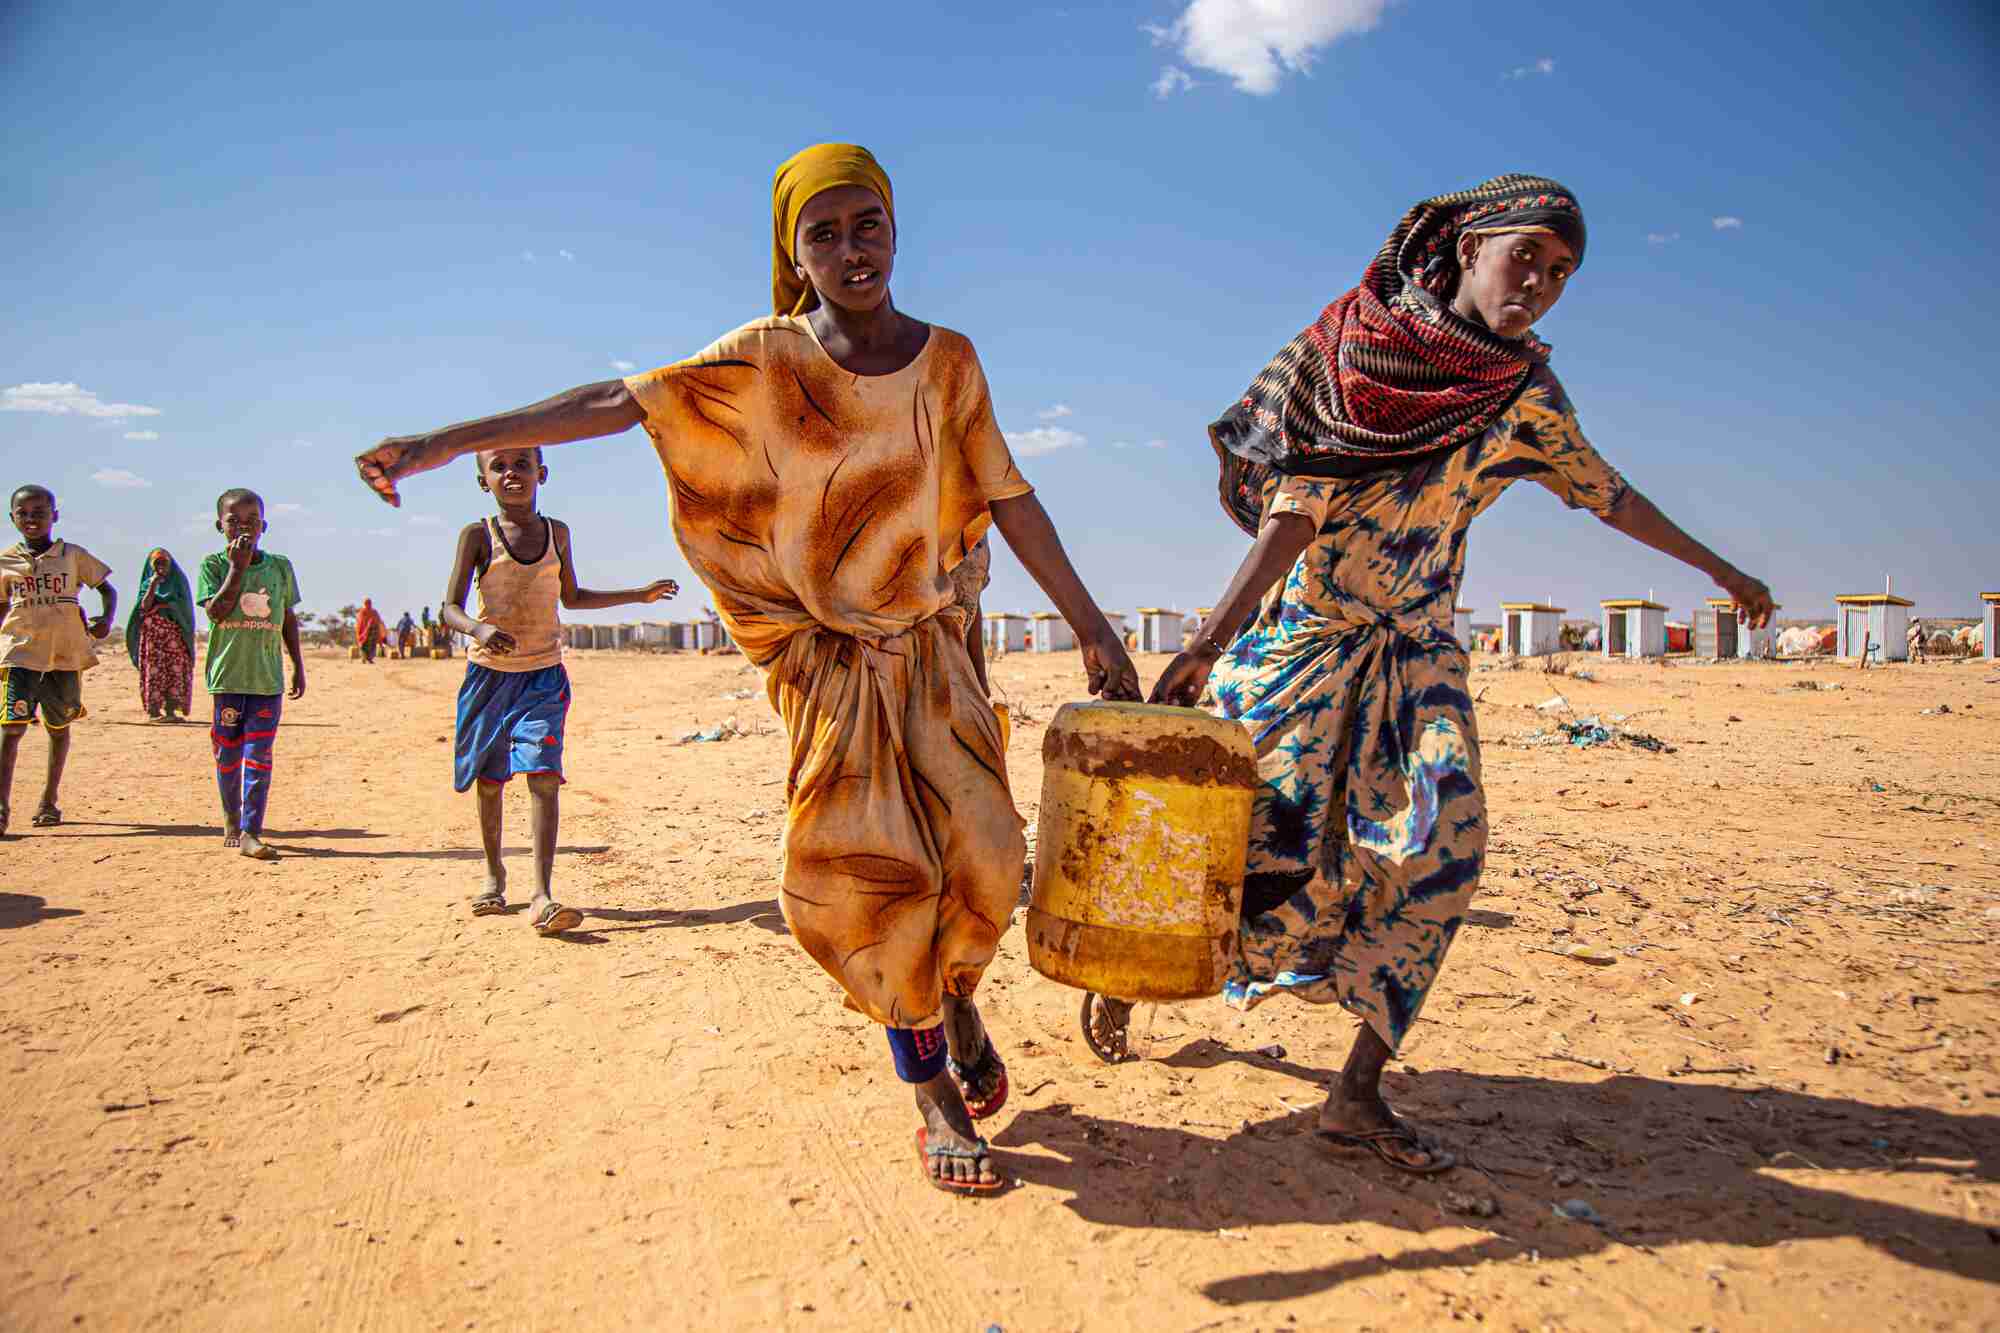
(320, 1094)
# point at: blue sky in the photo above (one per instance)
(241, 244)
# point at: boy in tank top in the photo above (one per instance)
(516, 694)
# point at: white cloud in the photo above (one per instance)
(528, 256)
(567, 255)
(1541, 68)
(300, 442)
(1057, 412)
(1154, 444)
(624, 367)
(142, 435)
(287, 507)
(1255, 43)
(1662, 237)
(380, 532)
(119, 479)
(1727, 223)
(1173, 79)
(68, 399)
(1042, 440)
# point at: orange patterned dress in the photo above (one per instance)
(825, 511)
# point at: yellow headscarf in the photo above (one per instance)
(804, 174)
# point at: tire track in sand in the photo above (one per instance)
(358, 1290)
(897, 1240)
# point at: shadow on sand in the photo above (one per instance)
(25, 909)
(763, 914)
(1661, 1162)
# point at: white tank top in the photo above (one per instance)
(522, 600)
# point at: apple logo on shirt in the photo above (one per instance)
(256, 604)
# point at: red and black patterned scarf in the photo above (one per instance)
(1388, 376)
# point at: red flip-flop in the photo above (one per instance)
(927, 1154)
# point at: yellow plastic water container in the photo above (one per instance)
(1139, 851)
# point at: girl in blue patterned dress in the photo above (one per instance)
(1357, 460)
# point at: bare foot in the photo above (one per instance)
(254, 847)
(949, 1127)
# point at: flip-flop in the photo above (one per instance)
(555, 919)
(980, 1071)
(489, 904)
(927, 1154)
(1377, 1141)
(47, 817)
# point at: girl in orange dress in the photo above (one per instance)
(828, 467)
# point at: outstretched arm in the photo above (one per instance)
(1032, 537)
(1279, 544)
(581, 414)
(1641, 520)
(591, 599)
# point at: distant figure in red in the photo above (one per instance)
(369, 631)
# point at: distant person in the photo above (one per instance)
(45, 643)
(1913, 639)
(515, 699)
(369, 631)
(159, 637)
(249, 595)
(831, 464)
(1357, 460)
(406, 634)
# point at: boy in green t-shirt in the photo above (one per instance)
(249, 595)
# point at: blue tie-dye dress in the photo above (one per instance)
(1369, 830)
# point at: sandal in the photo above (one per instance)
(1105, 1023)
(555, 919)
(47, 817)
(927, 1155)
(490, 903)
(986, 1072)
(1378, 1141)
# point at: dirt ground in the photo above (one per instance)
(319, 1094)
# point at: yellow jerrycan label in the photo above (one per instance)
(1140, 846)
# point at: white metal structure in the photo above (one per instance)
(1461, 626)
(1989, 608)
(1159, 630)
(1006, 632)
(1874, 623)
(1530, 629)
(1051, 634)
(1634, 627)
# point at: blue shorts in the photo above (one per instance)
(509, 722)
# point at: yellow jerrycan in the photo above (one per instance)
(1139, 850)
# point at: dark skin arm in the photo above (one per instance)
(1032, 537)
(102, 625)
(1641, 520)
(291, 633)
(1278, 547)
(583, 413)
(589, 599)
(475, 548)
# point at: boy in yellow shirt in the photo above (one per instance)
(45, 646)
